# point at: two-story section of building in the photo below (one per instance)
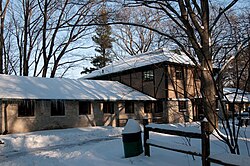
(168, 76)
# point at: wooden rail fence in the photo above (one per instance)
(204, 136)
(207, 159)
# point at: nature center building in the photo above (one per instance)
(35, 103)
(168, 76)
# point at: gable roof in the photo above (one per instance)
(17, 87)
(140, 60)
(236, 95)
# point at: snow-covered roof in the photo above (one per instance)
(17, 87)
(234, 95)
(140, 60)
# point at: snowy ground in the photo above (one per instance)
(97, 146)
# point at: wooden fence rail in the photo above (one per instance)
(203, 135)
(204, 153)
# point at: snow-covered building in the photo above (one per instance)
(236, 100)
(168, 76)
(33, 103)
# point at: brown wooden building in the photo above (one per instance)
(169, 77)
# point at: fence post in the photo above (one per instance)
(146, 136)
(205, 143)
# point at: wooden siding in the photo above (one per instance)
(165, 86)
(184, 88)
(160, 89)
(136, 80)
(125, 79)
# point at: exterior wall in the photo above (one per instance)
(117, 78)
(126, 79)
(171, 82)
(42, 119)
(136, 80)
(176, 116)
(185, 88)
(165, 87)
(1, 118)
(155, 88)
(138, 113)
(160, 78)
(148, 87)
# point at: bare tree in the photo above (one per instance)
(3, 10)
(67, 12)
(134, 39)
(196, 32)
(44, 41)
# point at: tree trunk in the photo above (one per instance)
(25, 59)
(208, 92)
(45, 58)
(1, 39)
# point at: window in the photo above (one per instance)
(231, 107)
(57, 108)
(179, 73)
(108, 107)
(159, 107)
(84, 108)
(182, 105)
(26, 108)
(129, 107)
(148, 107)
(148, 75)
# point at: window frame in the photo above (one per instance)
(108, 107)
(148, 75)
(55, 106)
(149, 105)
(84, 108)
(179, 74)
(26, 108)
(129, 107)
(159, 107)
(182, 106)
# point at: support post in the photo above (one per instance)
(146, 137)
(205, 143)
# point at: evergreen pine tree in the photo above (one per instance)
(103, 41)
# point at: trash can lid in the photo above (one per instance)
(132, 126)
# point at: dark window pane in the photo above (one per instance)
(108, 107)
(57, 108)
(84, 108)
(26, 108)
(182, 105)
(159, 107)
(179, 73)
(231, 107)
(129, 107)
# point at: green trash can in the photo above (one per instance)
(131, 137)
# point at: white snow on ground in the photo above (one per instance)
(97, 146)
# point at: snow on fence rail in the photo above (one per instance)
(203, 134)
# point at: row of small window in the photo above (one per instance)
(149, 74)
(26, 108)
